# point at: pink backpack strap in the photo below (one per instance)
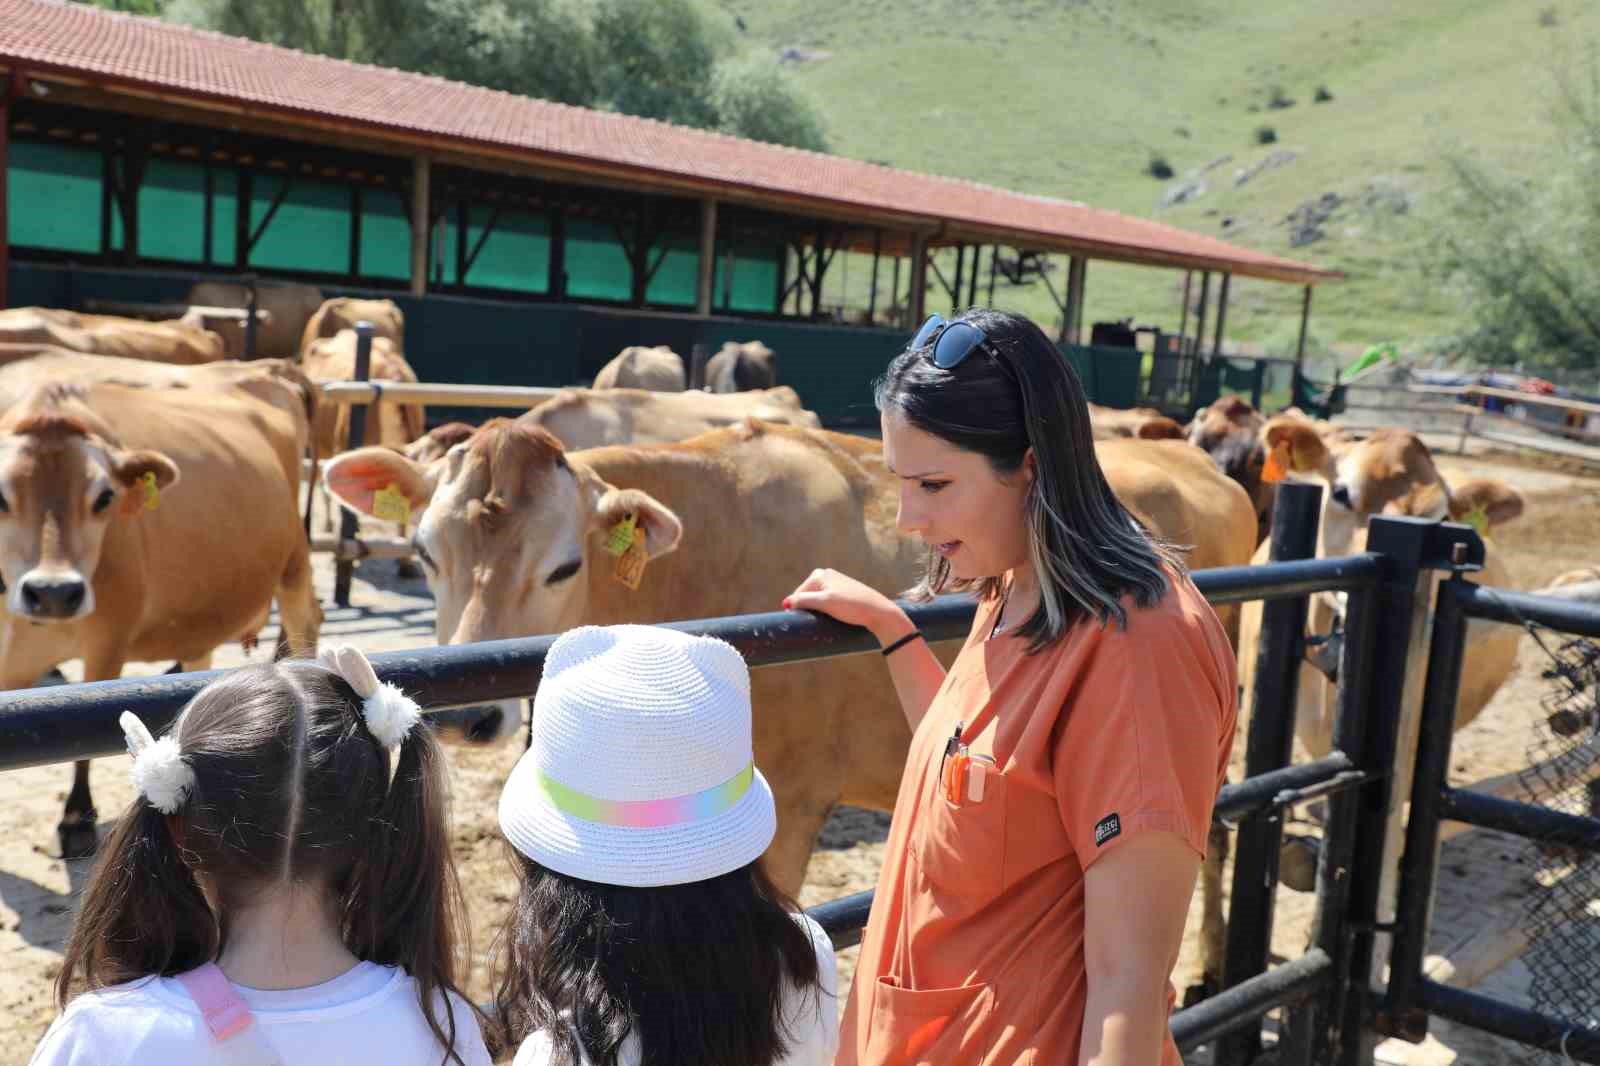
(226, 1013)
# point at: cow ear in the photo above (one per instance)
(132, 467)
(355, 479)
(662, 529)
(1495, 500)
(1298, 442)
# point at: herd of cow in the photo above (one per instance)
(149, 512)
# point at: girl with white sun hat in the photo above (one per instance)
(645, 930)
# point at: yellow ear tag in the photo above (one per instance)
(1478, 519)
(390, 505)
(619, 538)
(1277, 465)
(152, 491)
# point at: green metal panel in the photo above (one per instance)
(224, 217)
(1082, 362)
(516, 255)
(385, 236)
(53, 196)
(755, 279)
(677, 280)
(311, 229)
(597, 267)
(832, 367)
(172, 207)
(1116, 376)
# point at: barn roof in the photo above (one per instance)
(317, 96)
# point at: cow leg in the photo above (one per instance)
(800, 819)
(299, 614)
(1213, 924)
(76, 829)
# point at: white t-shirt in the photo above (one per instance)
(365, 1016)
(811, 1018)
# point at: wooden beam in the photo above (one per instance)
(1083, 281)
(1183, 321)
(1222, 315)
(919, 280)
(5, 222)
(1200, 315)
(1305, 322)
(1072, 312)
(421, 223)
(708, 257)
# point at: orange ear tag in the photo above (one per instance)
(390, 505)
(152, 491)
(631, 563)
(1277, 465)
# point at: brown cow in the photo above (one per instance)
(589, 418)
(131, 338)
(334, 359)
(742, 367)
(145, 524)
(1230, 432)
(512, 527)
(1145, 423)
(343, 312)
(658, 369)
(289, 305)
(434, 443)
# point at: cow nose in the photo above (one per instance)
(53, 597)
(1341, 495)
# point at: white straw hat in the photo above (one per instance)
(641, 771)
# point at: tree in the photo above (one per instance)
(1520, 250)
(662, 59)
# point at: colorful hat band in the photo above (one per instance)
(648, 814)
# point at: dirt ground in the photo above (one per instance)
(1482, 874)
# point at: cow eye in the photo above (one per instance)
(564, 571)
(102, 501)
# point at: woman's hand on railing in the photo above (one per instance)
(848, 600)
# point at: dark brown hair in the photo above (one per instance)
(289, 787)
(698, 971)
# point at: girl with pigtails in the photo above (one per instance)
(278, 893)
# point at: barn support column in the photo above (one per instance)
(1183, 321)
(919, 280)
(1200, 315)
(421, 223)
(1072, 313)
(708, 257)
(1222, 315)
(1300, 346)
(5, 222)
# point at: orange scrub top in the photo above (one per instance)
(974, 952)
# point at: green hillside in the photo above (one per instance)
(1073, 99)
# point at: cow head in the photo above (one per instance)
(1230, 432)
(61, 487)
(510, 533)
(1390, 472)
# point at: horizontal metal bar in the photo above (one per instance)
(60, 723)
(436, 395)
(1236, 584)
(1558, 1036)
(1522, 819)
(1502, 605)
(1290, 785)
(843, 918)
(1247, 1001)
(64, 722)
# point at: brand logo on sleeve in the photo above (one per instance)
(1107, 828)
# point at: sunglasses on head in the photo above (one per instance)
(952, 341)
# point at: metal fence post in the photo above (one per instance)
(250, 322)
(699, 355)
(348, 527)
(1420, 861)
(1295, 521)
(1410, 547)
(1312, 1030)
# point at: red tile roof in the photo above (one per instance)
(123, 52)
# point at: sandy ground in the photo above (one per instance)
(1482, 874)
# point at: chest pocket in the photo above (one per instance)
(962, 849)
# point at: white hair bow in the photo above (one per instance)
(390, 713)
(159, 773)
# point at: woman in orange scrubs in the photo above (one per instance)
(1053, 812)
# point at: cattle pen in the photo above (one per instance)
(528, 242)
(1361, 977)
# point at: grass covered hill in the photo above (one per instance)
(1312, 130)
